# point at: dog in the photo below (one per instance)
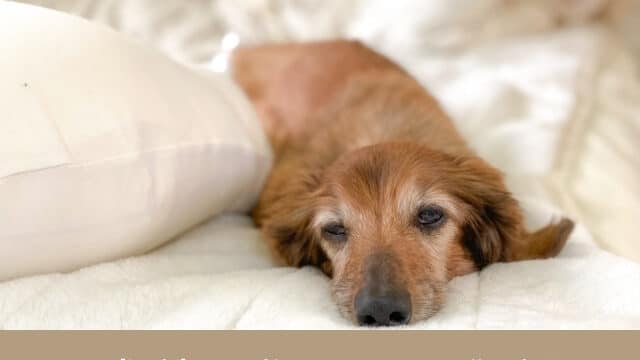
(373, 184)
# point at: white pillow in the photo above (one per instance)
(107, 148)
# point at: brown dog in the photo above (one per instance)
(373, 184)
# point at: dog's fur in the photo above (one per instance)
(360, 143)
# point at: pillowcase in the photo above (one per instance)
(109, 149)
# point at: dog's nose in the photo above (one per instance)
(386, 310)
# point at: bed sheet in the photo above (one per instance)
(555, 107)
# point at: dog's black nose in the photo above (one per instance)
(387, 310)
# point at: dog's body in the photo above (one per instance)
(373, 184)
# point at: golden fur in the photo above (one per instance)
(361, 145)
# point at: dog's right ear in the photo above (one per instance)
(284, 213)
(543, 243)
(494, 231)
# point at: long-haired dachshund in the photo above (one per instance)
(373, 184)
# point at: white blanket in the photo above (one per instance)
(220, 276)
(516, 87)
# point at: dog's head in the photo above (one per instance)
(393, 223)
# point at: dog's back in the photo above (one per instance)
(341, 89)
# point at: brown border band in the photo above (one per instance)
(286, 345)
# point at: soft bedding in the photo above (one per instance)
(220, 276)
(108, 148)
(529, 95)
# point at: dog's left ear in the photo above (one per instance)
(494, 231)
(284, 214)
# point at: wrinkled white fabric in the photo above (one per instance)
(554, 106)
(221, 276)
(494, 64)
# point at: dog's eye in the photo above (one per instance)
(430, 216)
(335, 231)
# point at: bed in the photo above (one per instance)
(547, 91)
